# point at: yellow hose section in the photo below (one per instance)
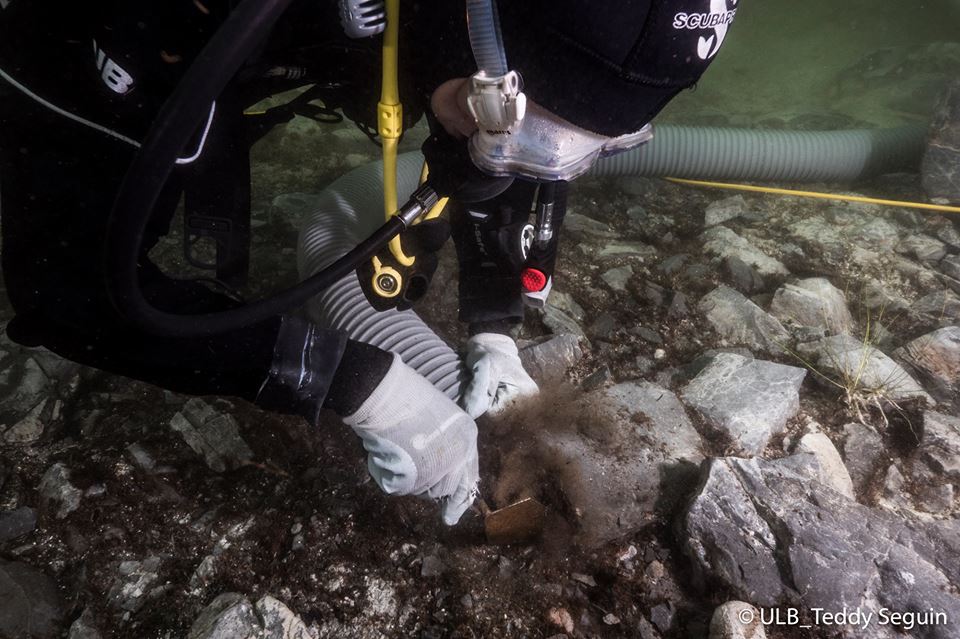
(390, 121)
(821, 196)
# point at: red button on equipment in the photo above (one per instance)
(533, 280)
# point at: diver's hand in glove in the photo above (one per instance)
(498, 375)
(419, 441)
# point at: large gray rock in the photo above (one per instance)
(736, 620)
(950, 265)
(640, 459)
(923, 247)
(774, 536)
(724, 243)
(940, 444)
(940, 170)
(720, 211)
(741, 322)
(57, 494)
(31, 607)
(24, 385)
(232, 616)
(746, 400)
(938, 309)
(561, 323)
(936, 356)
(279, 622)
(622, 249)
(549, 360)
(29, 428)
(863, 453)
(617, 278)
(861, 370)
(566, 303)
(229, 616)
(832, 471)
(880, 298)
(133, 583)
(84, 627)
(813, 302)
(848, 235)
(16, 523)
(587, 227)
(213, 435)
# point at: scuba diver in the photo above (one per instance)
(90, 93)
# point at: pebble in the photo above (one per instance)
(432, 566)
(627, 553)
(654, 571)
(57, 492)
(662, 616)
(617, 278)
(584, 579)
(596, 379)
(506, 567)
(141, 457)
(561, 618)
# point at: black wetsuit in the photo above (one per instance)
(113, 62)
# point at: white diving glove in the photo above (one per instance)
(499, 379)
(419, 441)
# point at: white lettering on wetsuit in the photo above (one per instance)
(702, 20)
(112, 74)
(717, 18)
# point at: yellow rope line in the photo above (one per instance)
(822, 196)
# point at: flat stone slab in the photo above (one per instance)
(57, 494)
(16, 523)
(813, 302)
(936, 356)
(940, 444)
(775, 536)
(213, 435)
(724, 243)
(31, 608)
(549, 360)
(643, 460)
(746, 400)
(853, 364)
(741, 322)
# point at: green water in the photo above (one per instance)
(876, 62)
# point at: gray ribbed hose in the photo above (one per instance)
(778, 156)
(352, 207)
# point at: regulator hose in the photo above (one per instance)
(181, 115)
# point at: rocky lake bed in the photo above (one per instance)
(750, 413)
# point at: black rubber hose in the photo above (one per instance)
(172, 325)
(182, 114)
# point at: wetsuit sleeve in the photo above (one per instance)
(59, 178)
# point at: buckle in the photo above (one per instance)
(496, 102)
